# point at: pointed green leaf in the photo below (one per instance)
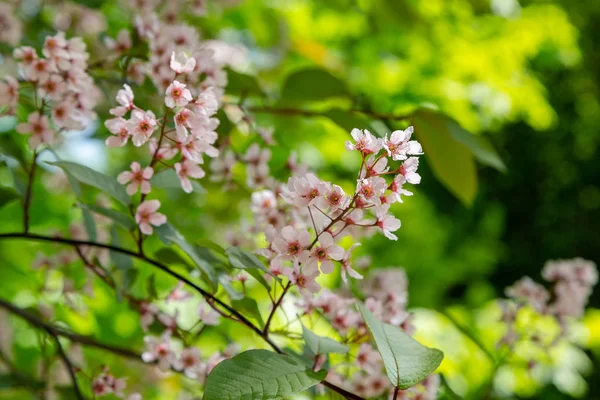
(322, 345)
(259, 276)
(312, 84)
(407, 362)
(86, 175)
(124, 220)
(225, 281)
(167, 234)
(242, 259)
(249, 307)
(259, 375)
(89, 223)
(451, 161)
(242, 84)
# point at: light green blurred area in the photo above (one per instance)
(524, 73)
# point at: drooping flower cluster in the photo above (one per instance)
(62, 86)
(572, 283)
(386, 293)
(106, 384)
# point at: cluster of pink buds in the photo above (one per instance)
(572, 283)
(106, 384)
(330, 212)
(60, 82)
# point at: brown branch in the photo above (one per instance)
(274, 309)
(69, 366)
(29, 193)
(210, 298)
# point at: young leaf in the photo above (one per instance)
(96, 179)
(249, 307)
(259, 375)
(242, 84)
(242, 259)
(312, 84)
(322, 345)
(451, 161)
(7, 195)
(407, 362)
(167, 234)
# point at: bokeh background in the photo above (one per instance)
(525, 74)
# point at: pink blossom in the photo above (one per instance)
(371, 189)
(397, 189)
(526, 289)
(304, 280)
(148, 313)
(409, 170)
(178, 294)
(207, 315)
(9, 91)
(346, 267)
(324, 252)
(185, 170)
(147, 215)
(206, 103)
(125, 99)
(304, 191)
(121, 44)
(181, 63)
(387, 223)
(292, 242)
(182, 123)
(399, 144)
(364, 142)
(141, 126)
(158, 351)
(177, 95)
(118, 127)
(39, 126)
(189, 362)
(138, 177)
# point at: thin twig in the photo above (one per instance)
(274, 309)
(29, 193)
(69, 366)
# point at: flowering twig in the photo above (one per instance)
(274, 309)
(69, 365)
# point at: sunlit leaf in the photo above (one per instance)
(7, 195)
(312, 84)
(407, 362)
(322, 345)
(242, 84)
(451, 161)
(248, 307)
(259, 375)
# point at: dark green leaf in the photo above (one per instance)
(242, 85)
(322, 345)
(259, 276)
(122, 261)
(89, 223)
(167, 233)
(10, 147)
(259, 375)
(312, 84)
(7, 195)
(242, 259)
(170, 256)
(451, 161)
(86, 175)
(407, 362)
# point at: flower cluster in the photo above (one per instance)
(61, 82)
(105, 384)
(309, 202)
(386, 293)
(572, 282)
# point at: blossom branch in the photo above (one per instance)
(274, 309)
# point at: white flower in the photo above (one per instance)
(181, 63)
(346, 267)
(39, 126)
(399, 144)
(185, 170)
(292, 242)
(125, 99)
(137, 177)
(147, 215)
(158, 351)
(409, 170)
(387, 223)
(141, 126)
(324, 252)
(304, 280)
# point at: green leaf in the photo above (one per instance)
(482, 148)
(122, 261)
(259, 375)
(451, 161)
(242, 84)
(322, 345)
(348, 120)
(124, 220)
(225, 281)
(170, 256)
(168, 179)
(167, 233)
(407, 362)
(10, 147)
(86, 175)
(7, 195)
(249, 307)
(312, 84)
(259, 276)
(151, 286)
(242, 259)
(89, 223)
